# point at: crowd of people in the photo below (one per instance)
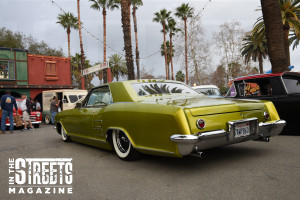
(8, 102)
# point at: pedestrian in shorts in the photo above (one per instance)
(26, 108)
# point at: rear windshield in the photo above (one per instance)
(292, 84)
(144, 89)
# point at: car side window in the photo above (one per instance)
(292, 84)
(99, 96)
(252, 89)
(231, 92)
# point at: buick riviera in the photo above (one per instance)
(165, 118)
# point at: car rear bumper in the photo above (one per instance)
(186, 144)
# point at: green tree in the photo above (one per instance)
(254, 49)
(161, 17)
(135, 5)
(76, 72)
(11, 40)
(180, 76)
(283, 14)
(20, 41)
(172, 30)
(184, 12)
(117, 65)
(68, 21)
(104, 5)
(125, 13)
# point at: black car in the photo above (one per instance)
(283, 89)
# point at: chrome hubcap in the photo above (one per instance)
(122, 142)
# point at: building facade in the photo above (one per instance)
(22, 72)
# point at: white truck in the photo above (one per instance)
(67, 97)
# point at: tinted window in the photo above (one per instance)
(143, 89)
(292, 84)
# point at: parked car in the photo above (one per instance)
(209, 90)
(67, 97)
(283, 89)
(35, 116)
(164, 118)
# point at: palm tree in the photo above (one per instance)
(68, 21)
(255, 49)
(117, 65)
(81, 45)
(289, 19)
(125, 11)
(105, 5)
(184, 12)
(294, 40)
(169, 53)
(172, 30)
(161, 17)
(135, 5)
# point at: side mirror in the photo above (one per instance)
(78, 105)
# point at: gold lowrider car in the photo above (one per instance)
(164, 118)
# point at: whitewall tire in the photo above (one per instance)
(123, 146)
(64, 135)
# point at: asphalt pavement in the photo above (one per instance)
(250, 170)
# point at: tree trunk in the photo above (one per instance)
(81, 45)
(125, 9)
(171, 59)
(69, 48)
(165, 48)
(260, 62)
(185, 47)
(137, 53)
(286, 30)
(275, 35)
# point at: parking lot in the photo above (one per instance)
(251, 170)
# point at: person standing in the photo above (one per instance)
(38, 105)
(26, 107)
(33, 105)
(7, 103)
(54, 109)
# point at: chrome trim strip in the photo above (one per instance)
(286, 91)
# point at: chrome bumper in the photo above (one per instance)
(36, 122)
(205, 140)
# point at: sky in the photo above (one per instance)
(38, 18)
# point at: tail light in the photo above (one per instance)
(200, 123)
(266, 115)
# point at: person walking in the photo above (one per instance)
(26, 108)
(7, 104)
(54, 109)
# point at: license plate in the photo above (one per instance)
(242, 130)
